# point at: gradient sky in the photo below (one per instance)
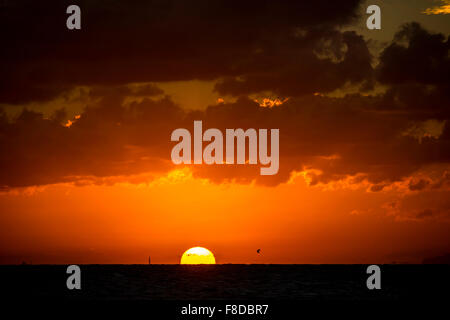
(86, 117)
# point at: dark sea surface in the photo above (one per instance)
(236, 282)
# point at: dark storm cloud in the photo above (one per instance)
(416, 67)
(290, 48)
(316, 62)
(416, 56)
(107, 140)
(338, 138)
(169, 40)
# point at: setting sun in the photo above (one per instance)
(198, 255)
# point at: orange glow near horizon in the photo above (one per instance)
(126, 223)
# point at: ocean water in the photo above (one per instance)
(225, 282)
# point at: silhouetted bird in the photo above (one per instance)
(259, 250)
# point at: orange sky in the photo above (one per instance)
(291, 223)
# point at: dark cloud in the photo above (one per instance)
(331, 138)
(416, 67)
(168, 40)
(416, 56)
(289, 48)
(107, 140)
(316, 62)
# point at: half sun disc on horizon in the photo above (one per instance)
(198, 255)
